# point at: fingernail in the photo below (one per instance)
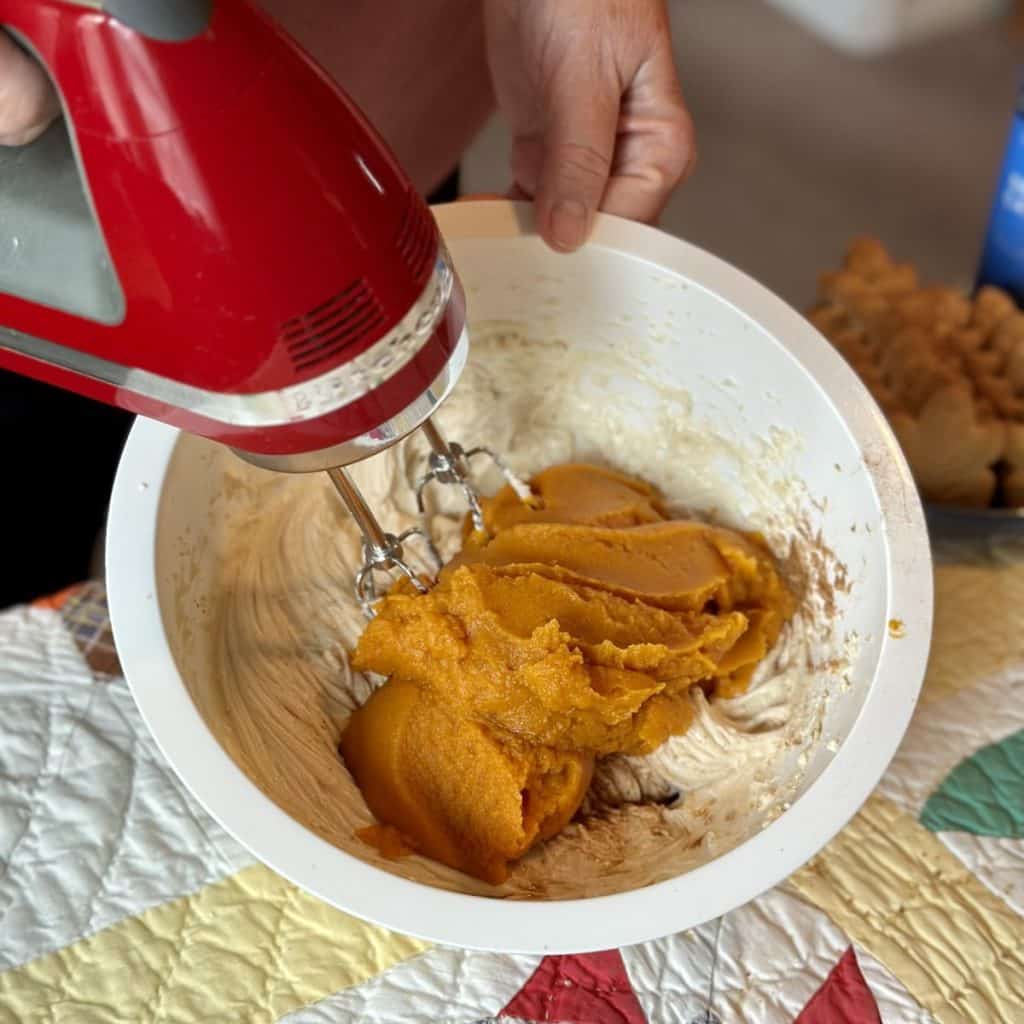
(568, 224)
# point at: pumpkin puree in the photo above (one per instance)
(572, 628)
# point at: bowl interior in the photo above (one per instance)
(694, 377)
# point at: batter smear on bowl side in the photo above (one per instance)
(571, 629)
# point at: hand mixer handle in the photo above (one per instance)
(236, 232)
(57, 254)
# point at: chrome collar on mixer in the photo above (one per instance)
(449, 463)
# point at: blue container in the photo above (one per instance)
(1002, 259)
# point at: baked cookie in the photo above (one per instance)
(946, 368)
(951, 451)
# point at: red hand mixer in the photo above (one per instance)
(214, 236)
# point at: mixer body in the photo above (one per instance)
(215, 237)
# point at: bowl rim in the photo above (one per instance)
(557, 926)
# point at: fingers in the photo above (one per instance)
(578, 146)
(653, 158)
(28, 102)
(656, 148)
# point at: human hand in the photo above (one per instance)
(595, 107)
(28, 102)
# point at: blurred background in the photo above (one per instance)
(821, 119)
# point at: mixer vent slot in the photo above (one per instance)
(343, 320)
(416, 234)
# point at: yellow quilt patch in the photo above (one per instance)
(250, 948)
(979, 626)
(895, 889)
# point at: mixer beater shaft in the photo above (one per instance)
(382, 552)
(449, 464)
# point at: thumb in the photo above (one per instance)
(28, 102)
(578, 146)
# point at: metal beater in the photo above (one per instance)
(448, 464)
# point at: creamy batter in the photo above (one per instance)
(281, 689)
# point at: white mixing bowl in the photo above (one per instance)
(751, 366)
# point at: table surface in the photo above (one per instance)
(121, 900)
